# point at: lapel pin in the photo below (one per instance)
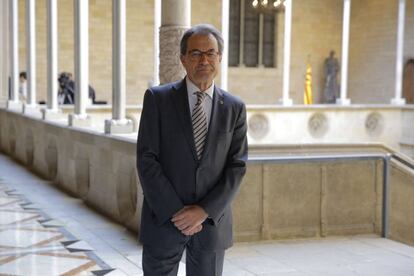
(221, 102)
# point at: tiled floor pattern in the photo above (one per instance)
(33, 244)
(56, 234)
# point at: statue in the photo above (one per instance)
(331, 90)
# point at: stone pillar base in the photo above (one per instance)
(79, 120)
(3, 103)
(14, 105)
(119, 126)
(398, 101)
(31, 110)
(286, 102)
(51, 114)
(341, 101)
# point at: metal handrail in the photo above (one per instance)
(403, 161)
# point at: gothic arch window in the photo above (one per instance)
(252, 36)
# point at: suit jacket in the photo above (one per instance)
(171, 175)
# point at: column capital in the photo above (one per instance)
(176, 13)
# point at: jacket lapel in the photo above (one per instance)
(180, 98)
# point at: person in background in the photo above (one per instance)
(66, 94)
(23, 87)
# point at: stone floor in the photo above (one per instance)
(43, 231)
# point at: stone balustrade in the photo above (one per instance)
(277, 200)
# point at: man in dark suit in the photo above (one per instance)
(191, 158)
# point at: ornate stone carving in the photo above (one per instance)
(171, 68)
(258, 126)
(374, 124)
(318, 125)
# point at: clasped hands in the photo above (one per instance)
(189, 219)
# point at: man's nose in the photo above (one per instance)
(203, 58)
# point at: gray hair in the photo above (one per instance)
(201, 29)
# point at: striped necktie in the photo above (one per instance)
(199, 124)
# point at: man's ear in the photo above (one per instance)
(182, 58)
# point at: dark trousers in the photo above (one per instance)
(164, 262)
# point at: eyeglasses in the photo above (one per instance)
(196, 55)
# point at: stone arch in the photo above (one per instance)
(408, 82)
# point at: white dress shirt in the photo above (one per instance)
(192, 98)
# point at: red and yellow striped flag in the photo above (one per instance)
(307, 96)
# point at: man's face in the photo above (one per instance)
(202, 59)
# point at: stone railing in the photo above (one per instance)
(285, 199)
(320, 124)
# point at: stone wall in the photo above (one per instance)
(274, 201)
(316, 29)
(278, 202)
(401, 203)
(318, 124)
(4, 65)
(278, 199)
(373, 49)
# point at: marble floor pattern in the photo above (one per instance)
(32, 243)
(44, 231)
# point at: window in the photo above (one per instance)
(251, 36)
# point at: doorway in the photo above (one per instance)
(408, 82)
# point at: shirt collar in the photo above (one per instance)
(192, 88)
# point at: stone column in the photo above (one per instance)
(260, 42)
(286, 54)
(157, 25)
(4, 53)
(13, 102)
(398, 99)
(225, 18)
(343, 100)
(118, 124)
(175, 20)
(30, 106)
(81, 20)
(241, 40)
(52, 111)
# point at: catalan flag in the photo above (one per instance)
(307, 96)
